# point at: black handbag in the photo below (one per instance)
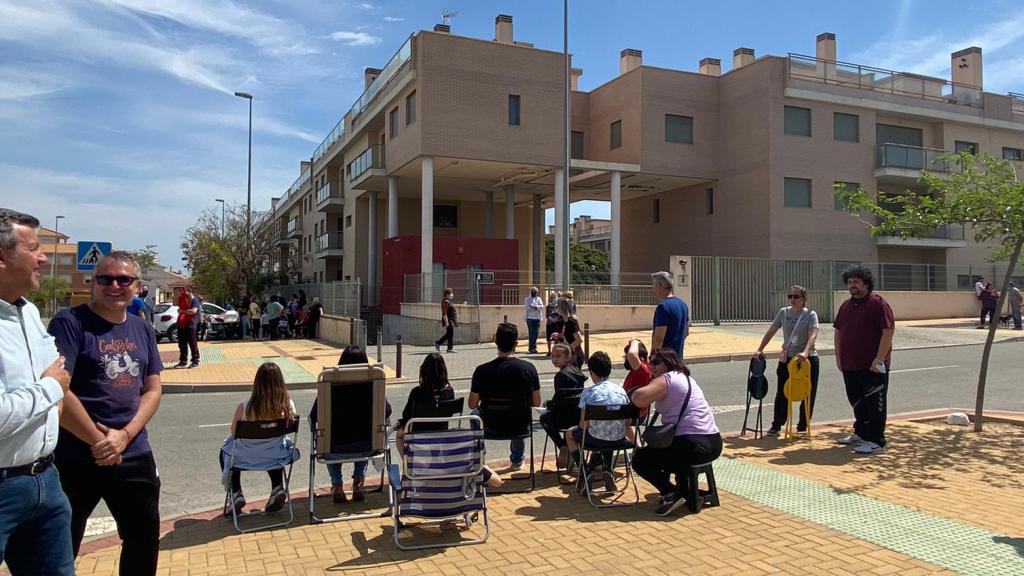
(662, 435)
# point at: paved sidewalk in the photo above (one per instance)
(940, 500)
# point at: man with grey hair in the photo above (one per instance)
(671, 317)
(104, 450)
(34, 513)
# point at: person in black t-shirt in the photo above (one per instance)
(571, 332)
(568, 378)
(506, 376)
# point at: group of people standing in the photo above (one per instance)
(274, 317)
(988, 297)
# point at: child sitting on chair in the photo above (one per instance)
(269, 401)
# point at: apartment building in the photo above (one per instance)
(56, 246)
(585, 230)
(736, 163)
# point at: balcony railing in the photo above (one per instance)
(337, 134)
(1017, 104)
(329, 241)
(880, 80)
(328, 191)
(387, 73)
(372, 157)
(944, 232)
(294, 226)
(910, 158)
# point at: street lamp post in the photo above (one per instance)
(564, 244)
(221, 200)
(248, 196)
(53, 266)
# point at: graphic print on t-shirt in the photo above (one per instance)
(118, 365)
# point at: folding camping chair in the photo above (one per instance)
(565, 409)
(351, 426)
(628, 414)
(250, 432)
(441, 476)
(507, 418)
(757, 389)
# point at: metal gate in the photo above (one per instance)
(753, 289)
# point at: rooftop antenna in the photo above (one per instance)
(447, 15)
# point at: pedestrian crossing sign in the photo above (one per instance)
(89, 254)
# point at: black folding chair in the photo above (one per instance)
(438, 409)
(508, 418)
(628, 414)
(263, 430)
(565, 413)
(757, 389)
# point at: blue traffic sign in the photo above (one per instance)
(89, 254)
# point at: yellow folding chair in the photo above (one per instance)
(798, 389)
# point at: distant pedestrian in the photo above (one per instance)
(449, 319)
(671, 317)
(313, 318)
(35, 533)
(302, 298)
(864, 328)
(293, 313)
(571, 332)
(265, 326)
(1016, 299)
(243, 316)
(150, 300)
(137, 307)
(188, 322)
(989, 300)
(254, 313)
(534, 306)
(275, 311)
(554, 319)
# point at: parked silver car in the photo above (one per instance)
(217, 322)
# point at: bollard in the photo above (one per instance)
(398, 356)
(586, 339)
(506, 318)
(380, 344)
(365, 340)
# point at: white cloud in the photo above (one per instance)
(356, 38)
(261, 123)
(368, 6)
(393, 19)
(24, 84)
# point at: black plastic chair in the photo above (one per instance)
(565, 410)
(628, 414)
(264, 430)
(437, 409)
(507, 418)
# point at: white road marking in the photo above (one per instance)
(100, 525)
(920, 369)
(214, 425)
(728, 408)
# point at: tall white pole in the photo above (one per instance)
(563, 246)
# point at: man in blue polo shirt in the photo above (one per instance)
(671, 317)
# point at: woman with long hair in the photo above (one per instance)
(554, 319)
(571, 331)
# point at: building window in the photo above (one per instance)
(393, 121)
(1012, 154)
(577, 144)
(348, 221)
(846, 127)
(65, 260)
(836, 202)
(961, 146)
(616, 134)
(797, 121)
(966, 282)
(678, 129)
(709, 195)
(513, 110)
(657, 210)
(797, 193)
(446, 216)
(410, 108)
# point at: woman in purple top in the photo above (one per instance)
(678, 398)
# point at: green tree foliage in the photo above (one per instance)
(145, 257)
(981, 193)
(222, 267)
(48, 286)
(586, 265)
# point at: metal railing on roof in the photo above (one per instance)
(386, 74)
(862, 77)
(1016, 103)
(337, 134)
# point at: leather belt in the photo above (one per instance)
(34, 469)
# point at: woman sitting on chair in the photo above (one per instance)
(269, 401)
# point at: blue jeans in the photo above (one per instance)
(35, 525)
(516, 446)
(244, 321)
(534, 327)
(358, 471)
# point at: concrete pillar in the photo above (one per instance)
(489, 214)
(538, 239)
(560, 231)
(371, 252)
(392, 206)
(510, 212)
(427, 224)
(616, 247)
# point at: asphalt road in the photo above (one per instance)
(188, 430)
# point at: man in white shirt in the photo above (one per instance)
(534, 305)
(35, 517)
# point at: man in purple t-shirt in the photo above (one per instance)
(863, 339)
(103, 450)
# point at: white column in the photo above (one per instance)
(538, 238)
(560, 231)
(510, 211)
(489, 214)
(371, 251)
(427, 223)
(392, 206)
(616, 198)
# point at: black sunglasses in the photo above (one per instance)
(122, 281)
(794, 296)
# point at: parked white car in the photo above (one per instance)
(217, 322)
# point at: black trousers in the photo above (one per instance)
(276, 476)
(656, 465)
(131, 490)
(989, 311)
(449, 336)
(254, 327)
(187, 341)
(868, 393)
(549, 422)
(782, 403)
(311, 328)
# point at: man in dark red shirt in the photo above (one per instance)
(863, 339)
(640, 374)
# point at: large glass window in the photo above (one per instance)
(577, 144)
(961, 146)
(797, 192)
(1012, 154)
(798, 121)
(513, 110)
(446, 216)
(616, 134)
(410, 108)
(678, 129)
(846, 127)
(393, 121)
(890, 134)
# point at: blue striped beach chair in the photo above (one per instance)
(441, 478)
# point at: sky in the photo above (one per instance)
(120, 114)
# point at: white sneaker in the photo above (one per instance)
(851, 439)
(867, 447)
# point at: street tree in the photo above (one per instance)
(222, 266)
(49, 286)
(586, 265)
(980, 193)
(146, 257)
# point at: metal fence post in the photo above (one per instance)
(586, 339)
(716, 293)
(365, 339)
(398, 356)
(380, 343)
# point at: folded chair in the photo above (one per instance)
(507, 418)
(441, 477)
(628, 414)
(565, 409)
(248, 453)
(351, 426)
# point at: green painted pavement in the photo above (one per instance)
(959, 547)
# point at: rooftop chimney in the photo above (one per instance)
(503, 29)
(574, 78)
(826, 47)
(369, 75)
(442, 28)
(711, 66)
(741, 57)
(630, 59)
(966, 66)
